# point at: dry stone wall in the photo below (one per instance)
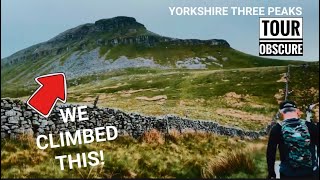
(17, 118)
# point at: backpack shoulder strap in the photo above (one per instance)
(303, 121)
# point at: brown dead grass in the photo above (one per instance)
(231, 162)
(30, 156)
(235, 100)
(227, 164)
(174, 135)
(24, 157)
(153, 136)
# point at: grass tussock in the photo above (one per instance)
(234, 162)
(153, 137)
(22, 152)
(229, 163)
(174, 135)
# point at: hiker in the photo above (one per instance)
(296, 140)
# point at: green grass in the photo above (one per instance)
(258, 87)
(260, 166)
(192, 84)
(64, 58)
(305, 85)
(103, 50)
(168, 54)
(163, 53)
(153, 156)
(197, 94)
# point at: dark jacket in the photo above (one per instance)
(276, 141)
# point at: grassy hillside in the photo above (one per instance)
(18, 79)
(153, 156)
(169, 54)
(243, 97)
(164, 54)
(115, 37)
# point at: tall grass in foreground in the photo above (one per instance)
(154, 155)
(233, 162)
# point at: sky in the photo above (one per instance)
(28, 22)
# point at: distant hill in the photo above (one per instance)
(118, 43)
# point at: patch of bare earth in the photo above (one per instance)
(233, 99)
(279, 96)
(242, 115)
(105, 96)
(314, 90)
(185, 102)
(88, 99)
(159, 99)
(128, 93)
(283, 78)
(114, 87)
(239, 100)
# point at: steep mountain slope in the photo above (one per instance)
(119, 43)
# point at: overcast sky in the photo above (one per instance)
(27, 22)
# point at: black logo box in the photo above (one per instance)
(275, 40)
(280, 43)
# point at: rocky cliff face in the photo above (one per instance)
(115, 26)
(105, 32)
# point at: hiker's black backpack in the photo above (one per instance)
(296, 137)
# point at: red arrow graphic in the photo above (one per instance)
(52, 87)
